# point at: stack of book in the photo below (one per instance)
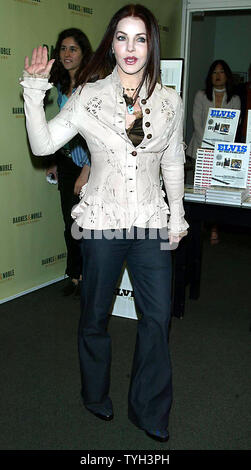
(231, 196)
(194, 193)
(203, 167)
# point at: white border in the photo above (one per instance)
(207, 5)
(28, 291)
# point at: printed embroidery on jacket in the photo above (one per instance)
(168, 109)
(93, 106)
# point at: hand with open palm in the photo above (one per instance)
(39, 62)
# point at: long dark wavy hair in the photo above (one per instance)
(103, 61)
(59, 75)
(229, 82)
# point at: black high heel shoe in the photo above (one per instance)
(160, 436)
(104, 417)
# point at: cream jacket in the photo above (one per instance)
(124, 185)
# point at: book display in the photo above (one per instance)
(194, 194)
(218, 195)
(232, 196)
(230, 165)
(223, 168)
(204, 167)
(221, 125)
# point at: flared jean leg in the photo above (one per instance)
(102, 263)
(150, 393)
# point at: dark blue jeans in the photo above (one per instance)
(68, 172)
(150, 392)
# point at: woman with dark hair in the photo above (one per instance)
(219, 77)
(217, 94)
(67, 70)
(72, 53)
(134, 130)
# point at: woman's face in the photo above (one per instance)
(219, 77)
(130, 46)
(70, 54)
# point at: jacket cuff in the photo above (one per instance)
(36, 83)
(177, 224)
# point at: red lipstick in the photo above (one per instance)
(130, 60)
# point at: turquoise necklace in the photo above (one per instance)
(129, 100)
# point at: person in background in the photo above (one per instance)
(72, 53)
(244, 92)
(218, 93)
(134, 130)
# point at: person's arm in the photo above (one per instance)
(82, 179)
(236, 102)
(45, 138)
(198, 121)
(172, 167)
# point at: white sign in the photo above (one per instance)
(230, 166)
(221, 125)
(171, 73)
(124, 305)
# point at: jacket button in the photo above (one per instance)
(143, 101)
(147, 124)
(149, 136)
(147, 111)
(134, 153)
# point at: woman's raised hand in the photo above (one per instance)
(39, 62)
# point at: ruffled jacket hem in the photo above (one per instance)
(110, 215)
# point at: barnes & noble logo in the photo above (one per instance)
(18, 112)
(27, 218)
(78, 9)
(53, 259)
(5, 169)
(7, 275)
(5, 52)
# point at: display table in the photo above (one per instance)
(187, 257)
